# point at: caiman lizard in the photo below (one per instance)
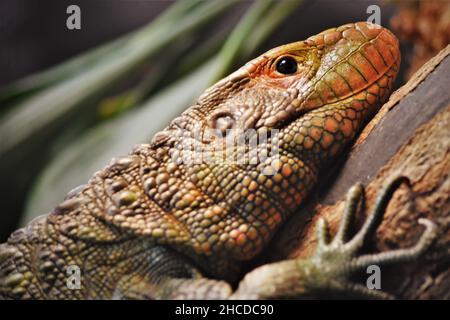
(154, 225)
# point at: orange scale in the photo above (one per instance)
(206, 247)
(374, 89)
(357, 105)
(308, 143)
(327, 140)
(253, 185)
(351, 114)
(372, 99)
(252, 234)
(361, 96)
(346, 128)
(241, 239)
(245, 192)
(331, 125)
(338, 117)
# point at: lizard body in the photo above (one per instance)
(150, 225)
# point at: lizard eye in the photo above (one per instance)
(286, 65)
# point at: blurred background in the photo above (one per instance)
(70, 100)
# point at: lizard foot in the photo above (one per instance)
(338, 259)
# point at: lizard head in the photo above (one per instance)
(282, 84)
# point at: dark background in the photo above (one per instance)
(33, 34)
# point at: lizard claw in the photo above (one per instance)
(375, 218)
(354, 196)
(338, 258)
(400, 255)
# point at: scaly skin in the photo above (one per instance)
(152, 226)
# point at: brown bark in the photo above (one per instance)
(410, 135)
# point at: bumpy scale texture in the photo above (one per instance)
(152, 226)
